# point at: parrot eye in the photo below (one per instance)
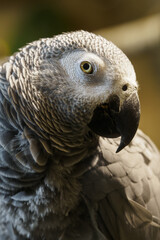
(86, 67)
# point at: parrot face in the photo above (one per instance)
(111, 90)
(109, 82)
(88, 84)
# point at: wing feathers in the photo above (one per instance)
(126, 188)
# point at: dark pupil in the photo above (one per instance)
(86, 66)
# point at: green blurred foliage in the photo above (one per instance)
(24, 21)
(41, 21)
(31, 22)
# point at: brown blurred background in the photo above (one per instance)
(133, 25)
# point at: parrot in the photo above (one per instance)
(74, 164)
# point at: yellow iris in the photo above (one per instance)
(86, 67)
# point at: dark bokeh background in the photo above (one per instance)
(133, 25)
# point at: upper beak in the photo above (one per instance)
(111, 120)
(127, 120)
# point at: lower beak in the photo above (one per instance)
(109, 120)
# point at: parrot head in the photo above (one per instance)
(103, 73)
(82, 82)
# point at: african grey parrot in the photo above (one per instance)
(64, 104)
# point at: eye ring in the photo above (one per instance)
(86, 67)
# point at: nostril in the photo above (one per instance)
(125, 87)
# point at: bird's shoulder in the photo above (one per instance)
(136, 165)
(140, 157)
(125, 187)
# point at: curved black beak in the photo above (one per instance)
(127, 120)
(110, 120)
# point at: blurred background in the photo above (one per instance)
(132, 25)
